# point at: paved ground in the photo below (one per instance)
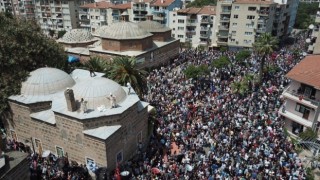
(306, 156)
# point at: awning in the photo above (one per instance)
(72, 59)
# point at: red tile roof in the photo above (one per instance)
(210, 10)
(254, 2)
(122, 6)
(163, 3)
(307, 71)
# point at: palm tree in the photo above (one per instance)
(239, 87)
(264, 46)
(96, 64)
(124, 70)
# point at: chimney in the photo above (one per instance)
(149, 17)
(124, 16)
(162, 1)
(71, 102)
(95, 4)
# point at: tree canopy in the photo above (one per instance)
(305, 15)
(201, 3)
(196, 71)
(221, 62)
(242, 55)
(23, 48)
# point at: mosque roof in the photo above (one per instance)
(124, 30)
(77, 36)
(45, 81)
(99, 30)
(153, 26)
(103, 132)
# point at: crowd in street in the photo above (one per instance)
(204, 130)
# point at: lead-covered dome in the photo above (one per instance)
(45, 81)
(96, 91)
(124, 30)
(153, 26)
(100, 30)
(77, 36)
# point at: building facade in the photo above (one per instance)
(160, 10)
(194, 26)
(90, 119)
(314, 36)
(302, 97)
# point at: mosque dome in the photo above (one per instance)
(153, 26)
(45, 81)
(77, 36)
(124, 30)
(95, 92)
(99, 30)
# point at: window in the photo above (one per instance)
(119, 157)
(237, 7)
(139, 137)
(247, 41)
(248, 33)
(173, 35)
(234, 24)
(180, 21)
(234, 32)
(180, 28)
(173, 29)
(91, 17)
(174, 14)
(59, 151)
(252, 8)
(89, 161)
(97, 17)
(249, 25)
(180, 36)
(300, 108)
(235, 16)
(250, 17)
(233, 40)
(97, 10)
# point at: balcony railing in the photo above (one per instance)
(303, 99)
(224, 19)
(135, 8)
(191, 23)
(225, 11)
(206, 21)
(221, 27)
(192, 32)
(204, 36)
(261, 30)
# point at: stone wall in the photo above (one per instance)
(162, 36)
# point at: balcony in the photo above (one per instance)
(204, 42)
(223, 27)
(206, 21)
(225, 11)
(85, 25)
(158, 11)
(204, 36)
(295, 118)
(263, 12)
(191, 23)
(261, 30)
(293, 95)
(262, 21)
(222, 42)
(223, 35)
(224, 19)
(204, 29)
(159, 18)
(190, 32)
(135, 8)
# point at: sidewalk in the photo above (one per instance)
(306, 157)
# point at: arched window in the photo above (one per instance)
(78, 139)
(64, 134)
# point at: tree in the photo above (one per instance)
(196, 71)
(124, 70)
(305, 15)
(23, 48)
(264, 46)
(201, 3)
(221, 62)
(97, 64)
(61, 33)
(242, 55)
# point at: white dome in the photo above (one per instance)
(96, 91)
(99, 30)
(45, 81)
(77, 36)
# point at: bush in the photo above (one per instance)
(61, 33)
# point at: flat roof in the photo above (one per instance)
(103, 132)
(45, 116)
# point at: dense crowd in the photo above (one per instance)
(204, 130)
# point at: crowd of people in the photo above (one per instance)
(205, 130)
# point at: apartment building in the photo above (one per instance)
(6, 5)
(302, 97)
(240, 22)
(57, 15)
(194, 26)
(26, 9)
(161, 8)
(94, 15)
(140, 9)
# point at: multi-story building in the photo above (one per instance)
(193, 26)
(140, 9)
(161, 8)
(94, 15)
(26, 9)
(302, 97)
(314, 37)
(6, 5)
(57, 15)
(239, 22)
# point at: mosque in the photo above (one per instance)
(88, 119)
(148, 41)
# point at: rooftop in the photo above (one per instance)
(153, 26)
(103, 132)
(77, 36)
(163, 3)
(307, 71)
(106, 5)
(254, 2)
(206, 10)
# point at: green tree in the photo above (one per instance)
(201, 3)
(196, 71)
(264, 46)
(221, 62)
(305, 15)
(97, 64)
(124, 70)
(23, 48)
(239, 87)
(61, 33)
(242, 55)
